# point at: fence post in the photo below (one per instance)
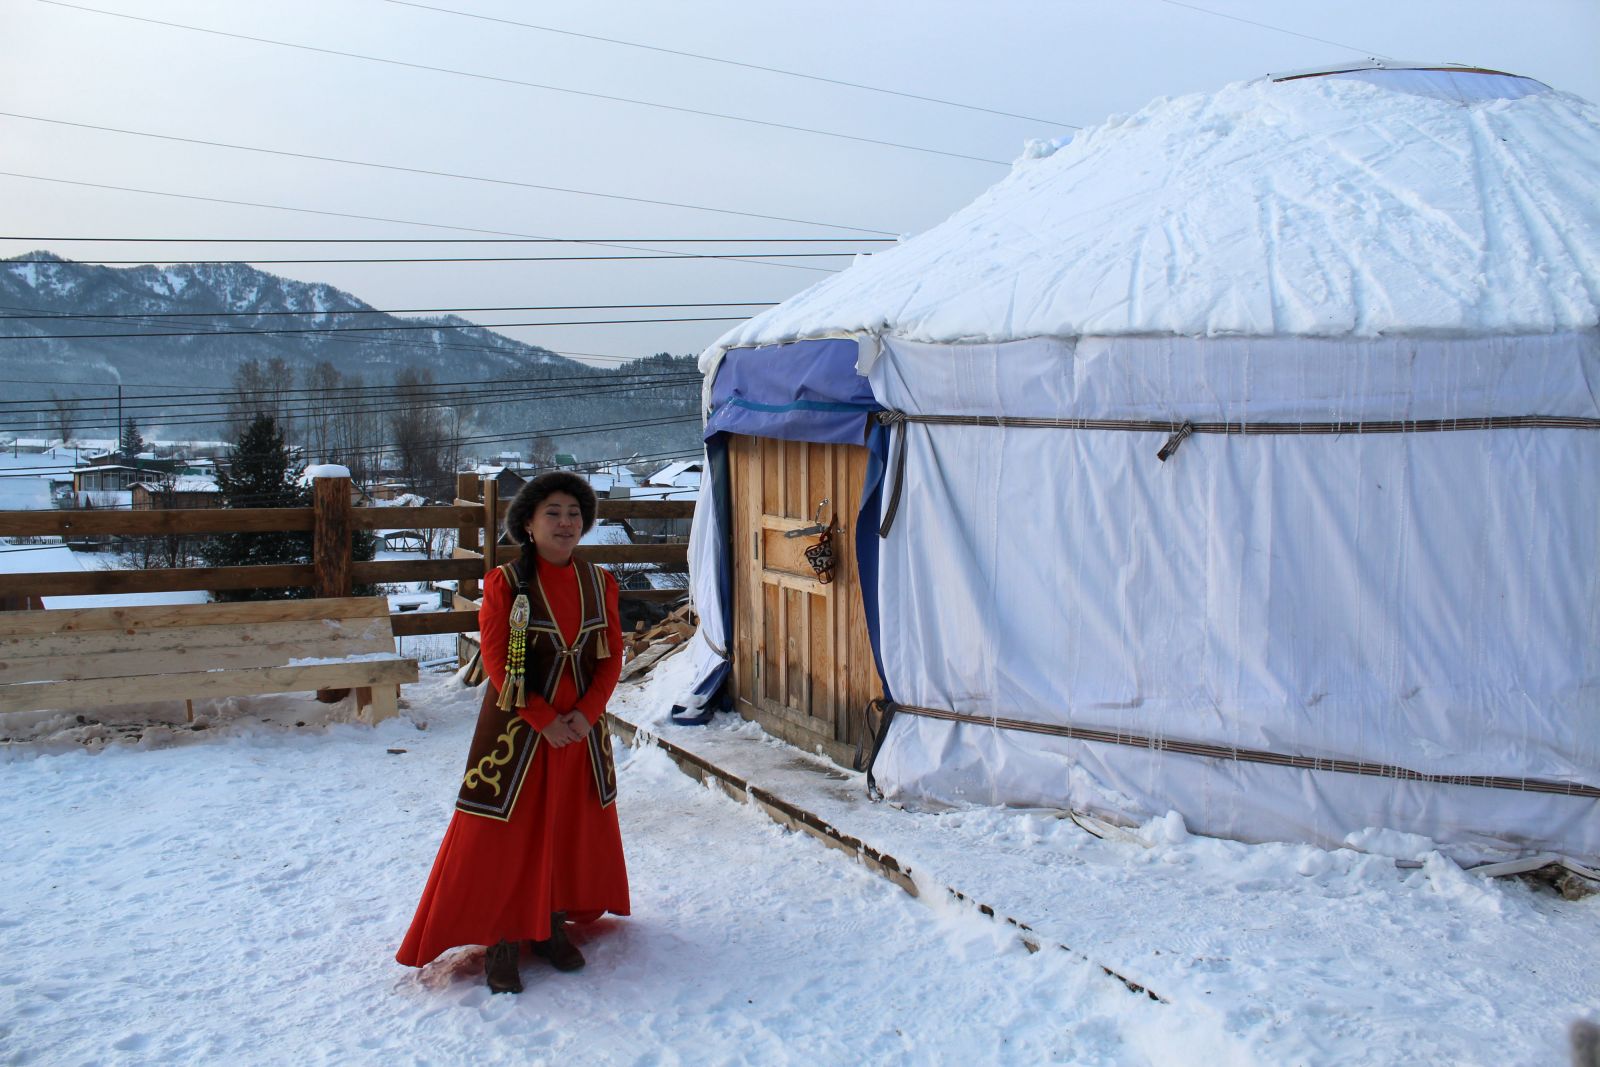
(491, 523)
(331, 536)
(467, 533)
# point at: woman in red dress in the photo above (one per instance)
(534, 840)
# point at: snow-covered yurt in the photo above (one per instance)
(1238, 458)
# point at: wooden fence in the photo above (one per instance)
(331, 521)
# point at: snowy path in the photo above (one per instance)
(1299, 954)
(239, 900)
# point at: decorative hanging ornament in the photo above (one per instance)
(513, 693)
(820, 555)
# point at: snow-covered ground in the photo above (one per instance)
(235, 894)
(25, 478)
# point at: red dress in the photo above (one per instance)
(560, 850)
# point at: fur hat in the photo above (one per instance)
(532, 494)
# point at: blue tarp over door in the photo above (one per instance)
(805, 391)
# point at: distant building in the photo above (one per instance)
(182, 491)
(116, 474)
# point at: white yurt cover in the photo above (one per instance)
(1298, 634)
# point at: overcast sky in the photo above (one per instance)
(1059, 63)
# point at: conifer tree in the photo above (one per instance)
(131, 443)
(261, 473)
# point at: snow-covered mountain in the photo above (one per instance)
(41, 283)
(648, 407)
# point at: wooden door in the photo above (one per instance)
(801, 658)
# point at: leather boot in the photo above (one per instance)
(562, 954)
(500, 968)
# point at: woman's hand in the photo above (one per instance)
(562, 733)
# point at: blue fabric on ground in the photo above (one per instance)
(805, 391)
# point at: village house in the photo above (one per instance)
(179, 491)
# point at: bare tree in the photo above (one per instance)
(541, 452)
(160, 550)
(457, 423)
(261, 388)
(322, 393)
(418, 431)
(63, 413)
(356, 432)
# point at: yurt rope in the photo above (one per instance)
(1251, 755)
(1179, 431)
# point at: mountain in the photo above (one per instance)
(88, 369)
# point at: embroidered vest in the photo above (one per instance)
(503, 744)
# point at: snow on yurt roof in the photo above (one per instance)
(1349, 202)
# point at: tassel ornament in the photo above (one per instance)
(513, 693)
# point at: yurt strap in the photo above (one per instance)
(1251, 755)
(1177, 432)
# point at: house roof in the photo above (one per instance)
(1352, 203)
(184, 483)
(606, 533)
(684, 473)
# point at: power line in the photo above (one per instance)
(447, 259)
(325, 312)
(458, 240)
(736, 63)
(433, 173)
(361, 329)
(529, 85)
(432, 346)
(597, 375)
(1269, 26)
(439, 393)
(306, 410)
(363, 218)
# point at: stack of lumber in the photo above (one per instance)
(647, 647)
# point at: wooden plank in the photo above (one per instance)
(414, 623)
(196, 579)
(377, 703)
(158, 580)
(197, 685)
(798, 582)
(71, 522)
(646, 509)
(153, 653)
(674, 555)
(786, 554)
(837, 709)
(469, 493)
(155, 616)
(852, 470)
(663, 596)
(797, 608)
(423, 517)
(861, 673)
(492, 510)
(461, 603)
(414, 570)
(607, 508)
(109, 653)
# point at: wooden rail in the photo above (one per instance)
(331, 522)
